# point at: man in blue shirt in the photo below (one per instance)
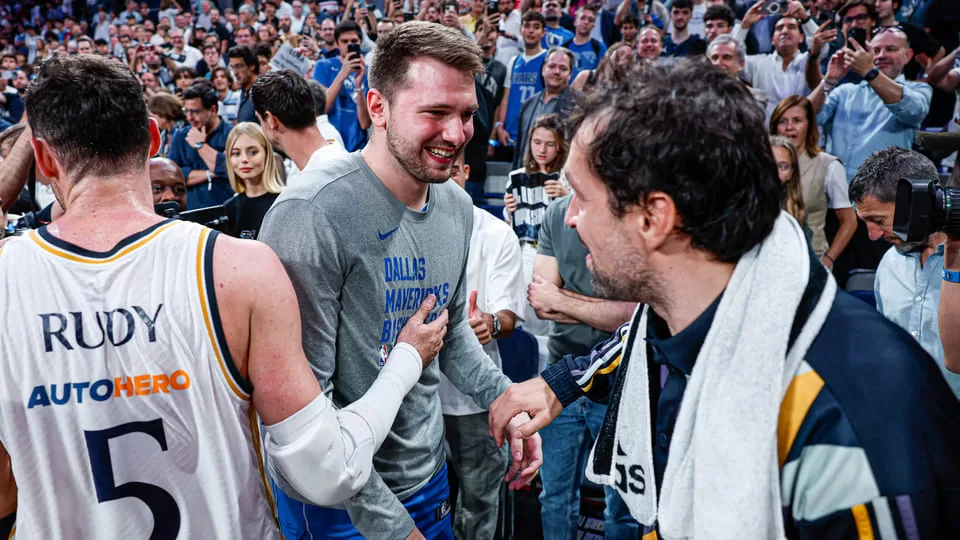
(344, 77)
(198, 148)
(523, 78)
(681, 42)
(556, 35)
(907, 284)
(589, 51)
(883, 110)
(246, 68)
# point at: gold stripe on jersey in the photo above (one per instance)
(208, 320)
(796, 402)
(258, 448)
(69, 255)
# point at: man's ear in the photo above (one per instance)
(46, 160)
(656, 218)
(154, 136)
(377, 106)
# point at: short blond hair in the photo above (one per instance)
(272, 177)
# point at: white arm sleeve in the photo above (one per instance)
(325, 455)
(835, 184)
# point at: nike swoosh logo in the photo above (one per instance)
(384, 236)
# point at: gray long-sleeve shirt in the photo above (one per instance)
(361, 262)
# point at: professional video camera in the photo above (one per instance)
(216, 217)
(924, 207)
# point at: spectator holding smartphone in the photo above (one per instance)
(344, 77)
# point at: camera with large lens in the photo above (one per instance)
(923, 208)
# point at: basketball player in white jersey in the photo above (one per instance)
(137, 352)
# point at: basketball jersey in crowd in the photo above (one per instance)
(123, 412)
(524, 83)
(532, 201)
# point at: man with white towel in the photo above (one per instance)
(748, 397)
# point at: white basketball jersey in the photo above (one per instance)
(122, 410)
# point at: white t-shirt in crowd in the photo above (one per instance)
(835, 185)
(193, 56)
(329, 131)
(494, 270)
(317, 159)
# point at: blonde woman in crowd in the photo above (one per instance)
(256, 176)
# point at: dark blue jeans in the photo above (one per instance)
(566, 447)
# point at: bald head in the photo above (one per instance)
(167, 183)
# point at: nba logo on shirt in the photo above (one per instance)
(383, 355)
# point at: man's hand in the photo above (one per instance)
(821, 38)
(554, 189)
(358, 75)
(544, 296)
(859, 60)
(416, 535)
(427, 339)
(482, 323)
(533, 397)
(796, 10)
(451, 19)
(837, 68)
(503, 136)
(196, 135)
(526, 453)
(753, 15)
(510, 202)
(350, 64)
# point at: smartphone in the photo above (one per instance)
(492, 7)
(450, 8)
(353, 50)
(857, 34)
(774, 7)
(306, 31)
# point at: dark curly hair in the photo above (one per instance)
(92, 112)
(694, 133)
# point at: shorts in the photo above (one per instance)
(429, 508)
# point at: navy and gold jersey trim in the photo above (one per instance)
(211, 315)
(65, 249)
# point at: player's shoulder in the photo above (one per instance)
(875, 369)
(232, 257)
(319, 185)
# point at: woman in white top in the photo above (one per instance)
(822, 176)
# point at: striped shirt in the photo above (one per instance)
(867, 438)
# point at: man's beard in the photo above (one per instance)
(407, 155)
(632, 281)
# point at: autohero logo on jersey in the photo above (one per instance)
(404, 278)
(116, 327)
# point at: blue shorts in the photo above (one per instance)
(429, 508)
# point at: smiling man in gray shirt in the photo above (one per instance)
(365, 239)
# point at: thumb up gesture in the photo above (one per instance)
(482, 323)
